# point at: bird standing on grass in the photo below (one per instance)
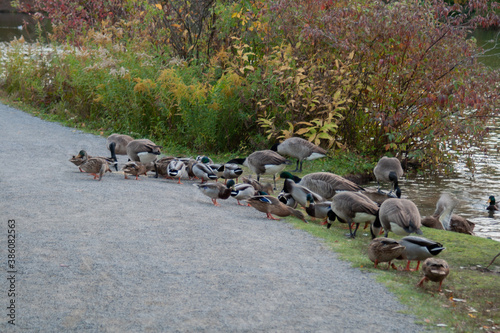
(384, 250)
(401, 216)
(299, 148)
(435, 270)
(419, 248)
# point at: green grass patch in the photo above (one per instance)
(470, 300)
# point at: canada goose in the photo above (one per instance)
(136, 169)
(117, 144)
(177, 169)
(443, 213)
(243, 192)
(216, 190)
(384, 250)
(299, 148)
(319, 209)
(325, 184)
(145, 151)
(352, 207)
(271, 205)
(96, 166)
(492, 204)
(419, 248)
(444, 219)
(389, 170)
(435, 270)
(203, 171)
(401, 216)
(299, 192)
(263, 162)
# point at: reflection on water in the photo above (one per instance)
(12, 26)
(489, 40)
(471, 189)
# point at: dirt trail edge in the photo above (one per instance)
(121, 255)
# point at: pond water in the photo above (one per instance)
(12, 25)
(472, 189)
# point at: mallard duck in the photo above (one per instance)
(271, 205)
(389, 170)
(325, 184)
(419, 248)
(492, 205)
(145, 151)
(204, 159)
(76, 160)
(162, 165)
(263, 162)
(288, 199)
(136, 169)
(242, 192)
(318, 209)
(352, 207)
(401, 216)
(299, 148)
(384, 250)
(267, 187)
(299, 192)
(203, 171)
(96, 166)
(117, 145)
(435, 270)
(230, 171)
(216, 190)
(79, 160)
(177, 169)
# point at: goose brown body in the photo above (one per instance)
(325, 184)
(352, 207)
(389, 170)
(299, 148)
(400, 216)
(263, 162)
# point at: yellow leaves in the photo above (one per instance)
(143, 86)
(159, 6)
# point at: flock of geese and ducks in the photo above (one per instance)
(323, 195)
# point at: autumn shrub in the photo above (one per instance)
(374, 77)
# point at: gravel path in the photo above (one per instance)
(151, 255)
